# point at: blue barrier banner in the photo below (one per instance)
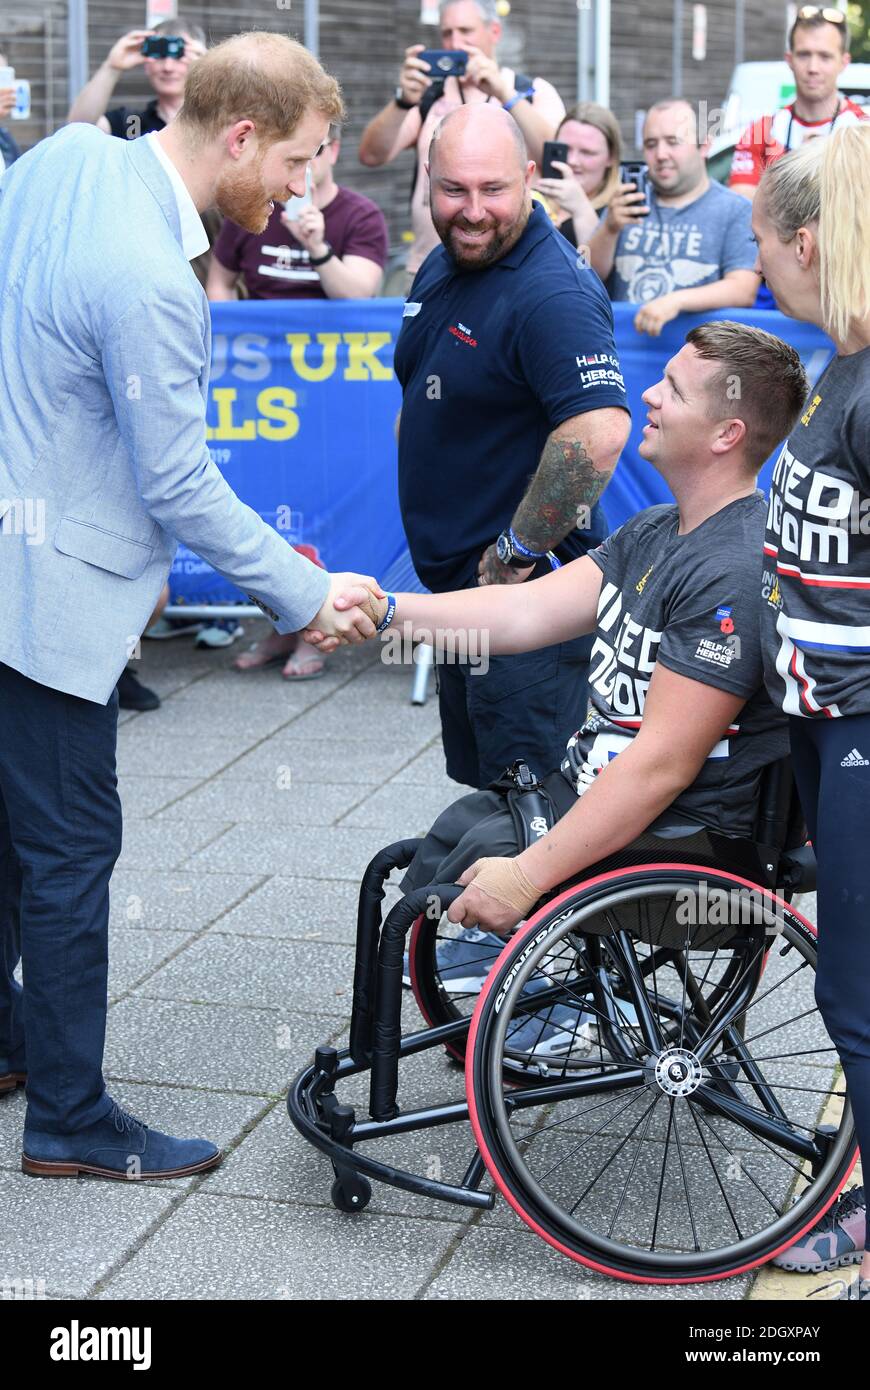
(302, 404)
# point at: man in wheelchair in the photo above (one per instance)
(612, 1019)
(679, 720)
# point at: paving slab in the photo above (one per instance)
(304, 909)
(502, 1265)
(69, 1233)
(152, 898)
(168, 844)
(333, 853)
(135, 954)
(325, 761)
(302, 976)
(224, 1248)
(142, 796)
(255, 1051)
(281, 797)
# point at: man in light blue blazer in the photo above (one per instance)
(103, 469)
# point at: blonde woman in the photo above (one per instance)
(811, 218)
(591, 175)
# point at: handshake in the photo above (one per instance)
(354, 606)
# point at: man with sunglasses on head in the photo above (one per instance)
(818, 51)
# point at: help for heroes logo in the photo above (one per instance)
(599, 369)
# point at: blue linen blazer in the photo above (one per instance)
(105, 347)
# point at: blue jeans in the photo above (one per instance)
(60, 834)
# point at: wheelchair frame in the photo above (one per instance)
(376, 1044)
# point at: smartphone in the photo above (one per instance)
(163, 46)
(445, 62)
(294, 205)
(21, 109)
(636, 172)
(553, 149)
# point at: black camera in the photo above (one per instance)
(163, 46)
(445, 62)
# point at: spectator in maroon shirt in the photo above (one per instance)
(335, 249)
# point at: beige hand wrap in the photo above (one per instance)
(504, 880)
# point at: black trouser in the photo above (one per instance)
(60, 834)
(525, 706)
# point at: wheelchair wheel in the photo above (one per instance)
(443, 997)
(699, 1136)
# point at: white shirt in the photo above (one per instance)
(194, 237)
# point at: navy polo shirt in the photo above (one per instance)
(490, 362)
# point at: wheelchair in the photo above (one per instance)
(680, 1122)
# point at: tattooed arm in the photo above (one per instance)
(575, 467)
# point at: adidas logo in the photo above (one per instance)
(854, 759)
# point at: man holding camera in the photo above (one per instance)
(177, 44)
(423, 97)
(685, 244)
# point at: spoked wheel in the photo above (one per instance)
(700, 1133)
(448, 967)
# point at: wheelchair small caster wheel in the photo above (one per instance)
(351, 1194)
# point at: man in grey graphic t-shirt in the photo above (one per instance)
(689, 248)
(678, 716)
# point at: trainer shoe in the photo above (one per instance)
(557, 1030)
(117, 1146)
(463, 962)
(220, 634)
(835, 1241)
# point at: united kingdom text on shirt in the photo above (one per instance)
(816, 587)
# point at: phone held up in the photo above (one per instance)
(295, 205)
(21, 109)
(553, 150)
(445, 62)
(163, 46)
(636, 172)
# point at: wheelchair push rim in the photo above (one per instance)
(712, 1162)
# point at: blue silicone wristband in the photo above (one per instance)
(389, 615)
(523, 550)
(517, 96)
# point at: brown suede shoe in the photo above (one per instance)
(11, 1080)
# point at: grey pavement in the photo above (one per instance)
(252, 807)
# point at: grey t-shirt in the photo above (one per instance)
(692, 602)
(816, 585)
(680, 248)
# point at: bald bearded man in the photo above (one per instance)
(514, 414)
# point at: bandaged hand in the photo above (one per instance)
(497, 896)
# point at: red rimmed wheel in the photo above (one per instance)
(697, 1139)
